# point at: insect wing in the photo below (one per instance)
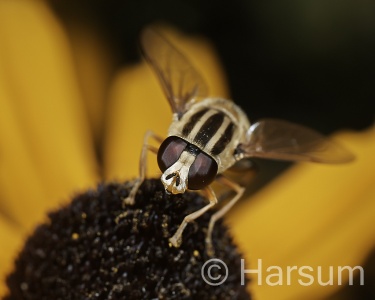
(282, 140)
(180, 81)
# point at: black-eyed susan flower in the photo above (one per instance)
(51, 116)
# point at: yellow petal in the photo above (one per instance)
(95, 66)
(47, 146)
(137, 104)
(22, 193)
(313, 215)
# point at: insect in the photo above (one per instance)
(209, 135)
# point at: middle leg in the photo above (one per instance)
(222, 211)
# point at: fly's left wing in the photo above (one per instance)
(282, 140)
(180, 81)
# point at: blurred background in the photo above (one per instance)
(310, 62)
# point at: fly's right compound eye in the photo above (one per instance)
(202, 172)
(170, 151)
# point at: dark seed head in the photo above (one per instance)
(82, 253)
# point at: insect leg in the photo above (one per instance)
(217, 215)
(175, 240)
(142, 165)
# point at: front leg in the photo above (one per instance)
(175, 240)
(142, 165)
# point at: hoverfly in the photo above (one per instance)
(209, 135)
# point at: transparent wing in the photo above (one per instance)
(180, 81)
(277, 139)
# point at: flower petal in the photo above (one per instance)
(47, 148)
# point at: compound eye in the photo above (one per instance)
(170, 151)
(202, 172)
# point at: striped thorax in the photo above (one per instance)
(201, 144)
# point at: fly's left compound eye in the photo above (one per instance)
(202, 172)
(169, 151)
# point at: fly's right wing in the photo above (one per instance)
(282, 140)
